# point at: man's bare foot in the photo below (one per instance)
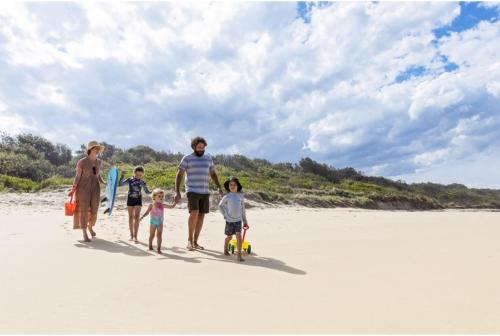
(151, 247)
(240, 258)
(198, 247)
(159, 252)
(190, 246)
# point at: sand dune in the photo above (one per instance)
(313, 271)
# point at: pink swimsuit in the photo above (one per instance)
(156, 216)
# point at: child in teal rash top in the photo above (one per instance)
(232, 207)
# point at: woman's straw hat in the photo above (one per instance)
(93, 144)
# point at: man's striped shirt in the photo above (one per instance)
(197, 172)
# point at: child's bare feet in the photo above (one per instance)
(190, 246)
(240, 258)
(151, 247)
(159, 251)
(92, 233)
(86, 239)
(226, 253)
(136, 241)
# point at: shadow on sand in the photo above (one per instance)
(133, 250)
(254, 260)
(175, 253)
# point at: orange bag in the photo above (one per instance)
(70, 207)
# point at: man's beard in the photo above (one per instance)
(199, 153)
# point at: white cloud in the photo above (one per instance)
(430, 158)
(255, 79)
(51, 94)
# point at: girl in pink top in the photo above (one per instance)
(156, 218)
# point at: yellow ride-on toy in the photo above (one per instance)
(245, 246)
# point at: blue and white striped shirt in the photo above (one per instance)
(197, 172)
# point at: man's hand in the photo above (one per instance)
(177, 198)
(221, 193)
(246, 227)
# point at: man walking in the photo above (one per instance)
(198, 166)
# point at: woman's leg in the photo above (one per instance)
(137, 216)
(131, 221)
(83, 212)
(93, 209)
(152, 230)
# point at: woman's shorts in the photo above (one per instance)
(131, 201)
(232, 228)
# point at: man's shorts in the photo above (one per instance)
(232, 228)
(198, 202)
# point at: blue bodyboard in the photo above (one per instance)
(112, 184)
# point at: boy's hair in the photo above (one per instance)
(197, 140)
(157, 191)
(139, 169)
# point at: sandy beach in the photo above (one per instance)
(313, 271)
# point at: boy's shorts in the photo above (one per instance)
(198, 202)
(232, 228)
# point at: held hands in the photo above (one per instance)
(177, 198)
(221, 193)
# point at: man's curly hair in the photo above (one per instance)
(196, 141)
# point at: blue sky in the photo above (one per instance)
(404, 90)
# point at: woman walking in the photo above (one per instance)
(87, 189)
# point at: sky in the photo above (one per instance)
(407, 90)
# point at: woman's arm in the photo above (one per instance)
(98, 171)
(78, 175)
(101, 179)
(147, 211)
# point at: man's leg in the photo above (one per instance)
(204, 206)
(199, 226)
(192, 221)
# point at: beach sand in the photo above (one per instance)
(313, 271)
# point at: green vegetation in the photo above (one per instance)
(31, 163)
